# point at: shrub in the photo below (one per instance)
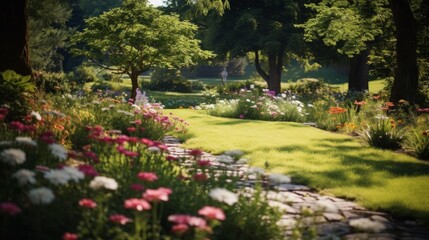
(235, 87)
(383, 134)
(310, 90)
(417, 140)
(51, 82)
(83, 74)
(14, 92)
(169, 80)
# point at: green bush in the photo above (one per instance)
(52, 82)
(383, 134)
(83, 74)
(169, 80)
(14, 92)
(310, 90)
(234, 87)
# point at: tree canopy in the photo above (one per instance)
(135, 38)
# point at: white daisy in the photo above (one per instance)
(24, 176)
(103, 182)
(58, 151)
(223, 195)
(36, 115)
(57, 176)
(41, 196)
(13, 156)
(26, 140)
(74, 173)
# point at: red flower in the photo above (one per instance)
(156, 195)
(137, 204)
(171, 158)
(359, 103)
(70, 236)
(147, 142)
(147, 176)
(87, 203)
(179, 228)
(9, 208)
(204, 163)
(119, 218)
(196, 152)
(212, 213)
(88, 170)
(200, 177)
(131, 129)
(390, 104)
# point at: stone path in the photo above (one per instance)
(330, 217)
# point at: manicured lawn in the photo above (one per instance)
(374, 86)
(333, 163)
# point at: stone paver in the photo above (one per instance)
(332, 217)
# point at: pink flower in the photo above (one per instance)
(17, 125)
(47, 137)
(136, 204)
(147, 142)
(87, 203)
(147, 176)
(212, 213)
(196, 152)
(179, 228)
(138, 121)
(119, 218)
(70, 236)
(131, 129)
(200, 177)
(204, 163)
(88, 170)
(93, 156)
(137, 187)
(9, 208)
(156, 195)
(187, 219)
(130, 153)
(241, 116)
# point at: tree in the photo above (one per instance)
(263, 28)
(351, 27)
(406, 75)
(47, 33)
(14, 53)
(135, 38)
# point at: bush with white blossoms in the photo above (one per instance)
(40, 196)
(100, 182)
(13, 156)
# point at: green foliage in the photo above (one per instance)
(310, 90)
(83, 74)
(53, 82)
(234, 87)
(383, 133)
(169, 80)
(135, 38)
(92, 8)
(349, 26)
(47, 33)
(417, 138)
(14, 90)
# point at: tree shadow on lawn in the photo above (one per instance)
(358, 166)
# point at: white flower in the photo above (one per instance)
(74, 173)
(26, 140)
(6, 143)
(103, 182)
(252, 86)
(36, 115)
(57, 177)
(125, 113)
(154, 149)
(13, 156)
(24, 176)
(105, 109)
(58, 151)
(225, 159)
(279, 178)
(41, 196)
(223, 195)
(327, 206)
(367, 225)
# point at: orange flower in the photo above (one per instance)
(390, 104)
(336, 110)
(359, 103)
(376, 96)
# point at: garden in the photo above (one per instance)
(87, 111)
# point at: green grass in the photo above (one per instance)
(374, 86)
(333, 163)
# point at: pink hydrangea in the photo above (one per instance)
(9, 208)
(147, 176)
(136, 204)
(212, 213)
(156, 195)
(87, 203)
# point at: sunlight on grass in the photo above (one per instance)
(334, 163)
(374, 86)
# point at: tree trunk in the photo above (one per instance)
(134, 84)
(406, 75)
(273, 78)
(359, 72)
(13, 40)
